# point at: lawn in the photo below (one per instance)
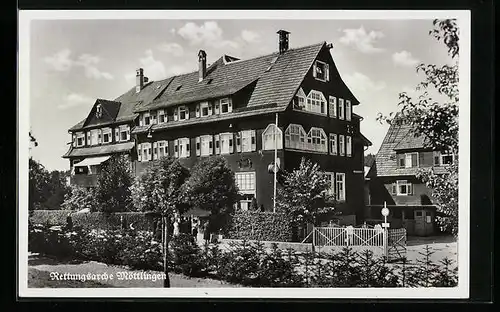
(39, 269)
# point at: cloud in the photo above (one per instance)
(172, 48)
(153, 68)
(362, 40)
(404, 58)
(359, 82)
(60, 61)
(250, 36)
(75, 99)
(207, 34)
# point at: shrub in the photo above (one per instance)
(241, 264)
(186, 256)
(140, 251)
(79, 198)
(264, 226)
(276, 271)
(113, 185)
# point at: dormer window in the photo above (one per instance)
(443, 158)
(321, 71)
(161, 116)
(98, 111)
(408, 160)
(225, 106)
(183, 113)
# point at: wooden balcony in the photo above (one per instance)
(84, 180)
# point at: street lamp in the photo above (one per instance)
(385, 213)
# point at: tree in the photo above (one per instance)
(369, 159)
(39, 185)
(437, 121)
(59, 189)
(159, 190)
(212, 187)
(113, 185)
(304, 195)
(79, 198)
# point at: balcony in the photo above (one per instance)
(84, 180)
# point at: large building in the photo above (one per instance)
(392, 181)
(231, 108)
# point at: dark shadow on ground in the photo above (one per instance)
(47, 260)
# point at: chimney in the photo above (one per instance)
(139, 80)
(283, 40)
(202, 65)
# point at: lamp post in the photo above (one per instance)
(385, 225)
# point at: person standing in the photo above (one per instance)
(206, 233)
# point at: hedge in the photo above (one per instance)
(257, 225)
(93, 220)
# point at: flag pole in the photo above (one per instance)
(275, 161)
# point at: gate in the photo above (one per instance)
(396, 244)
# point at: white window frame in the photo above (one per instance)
(341, 109)
(348, 145)
(408, 162)
(333, 144)
(246, 140)
(315, 101)
(441, 156)
(80, 135)
(161, 112)
(184, 148)
(248, 179)
(146, 151)
(109, 132)
(341, 145)
(162, 149)
(295, 137)
(332, 106)
(269, 135)
(226, 143)
(316, 134)
(222, 103)
(340, 184)
(144, 116)
(206, 145)
(408, 185)
(206, 105)
(94, 135)
(185, 110)
(348, 110)
(331, 179)
(326, 72)
(124, 129)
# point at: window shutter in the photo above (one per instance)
(217, 144)
(88, 138)
(117, 134)
(139, 156)
(410, 188)
(74, 140)
(150, 152)
(393, 188)
(348, 145)
(99, 136)
(230, 106)
(197, 110)
(140, 121)
(348, 110)
(239, 137)
(217, 107)
(175, 114)
(231, 143)
(188, 148)
(314, 70)
(327, 72)
(155, 150)
(254, 141)
(187, 112)
(198, 146)
(209, 109)
(176, 148)
(211, 145)
(128, 134)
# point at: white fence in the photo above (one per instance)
(348, 236)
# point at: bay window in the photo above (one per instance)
(272, 137)
(316, 102)
(299, 102)
(316, 139)
(295, 137)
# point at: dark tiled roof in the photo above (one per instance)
(398, 137)
(99, 150)
(271, 72)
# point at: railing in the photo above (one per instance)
(348, 236)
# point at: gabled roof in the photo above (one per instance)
(282, 72)
(109, 112)
(398, 137)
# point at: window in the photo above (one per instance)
(333, 106)
(333, 144)
(330, 176)
(80, 139)
(182, 148)
(441, 159)
(316, 139)
(403, 188)
(248, 143)
(320, 71)
(226, 143)
(204, 145)
(341, 108)
(272, 138)
(316, 102)
(162, 147)
(299, 101)
(348, 146)
(98, 111)
(94, 134)
(401, 160)
(295, 137)
(146, 153)
(411, 160)
(206, 109)
(340, 184)
(146, 119)
(245, 182)
(124, 133)
(348, 110)
(341, 145)
(106, 135)
(225, 106)
(183, 113)
(162, 117)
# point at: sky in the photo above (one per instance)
(74, 62)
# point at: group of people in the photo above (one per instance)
(191, 225)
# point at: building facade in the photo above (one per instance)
(292, 101)
(392, 181)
